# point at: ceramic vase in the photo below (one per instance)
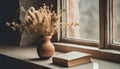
(45, 48)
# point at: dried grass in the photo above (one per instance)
(41, 22)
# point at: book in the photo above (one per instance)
(71, 59)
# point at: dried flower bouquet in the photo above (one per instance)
(41, 22)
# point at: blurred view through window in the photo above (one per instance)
(86, 13)
(116, 23)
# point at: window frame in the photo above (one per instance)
(105, 39)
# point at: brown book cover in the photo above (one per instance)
(71, 59)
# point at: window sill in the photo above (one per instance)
(14, 57)
(105, 54)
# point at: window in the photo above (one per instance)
(98, 22)
(87, 16)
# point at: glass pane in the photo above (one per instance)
(116, 21)
(86, 13)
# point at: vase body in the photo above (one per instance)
(45, 49)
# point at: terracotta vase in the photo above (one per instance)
(45, 48)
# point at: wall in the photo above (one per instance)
(8, 12)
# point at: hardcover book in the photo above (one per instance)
(71, 59)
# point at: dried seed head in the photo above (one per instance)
(32, 9)
(22, 9)
(8, 24)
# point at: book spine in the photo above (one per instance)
(59, 61)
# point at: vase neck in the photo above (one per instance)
(46, 37)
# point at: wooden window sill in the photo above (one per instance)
(105, 54)
(14, 57)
